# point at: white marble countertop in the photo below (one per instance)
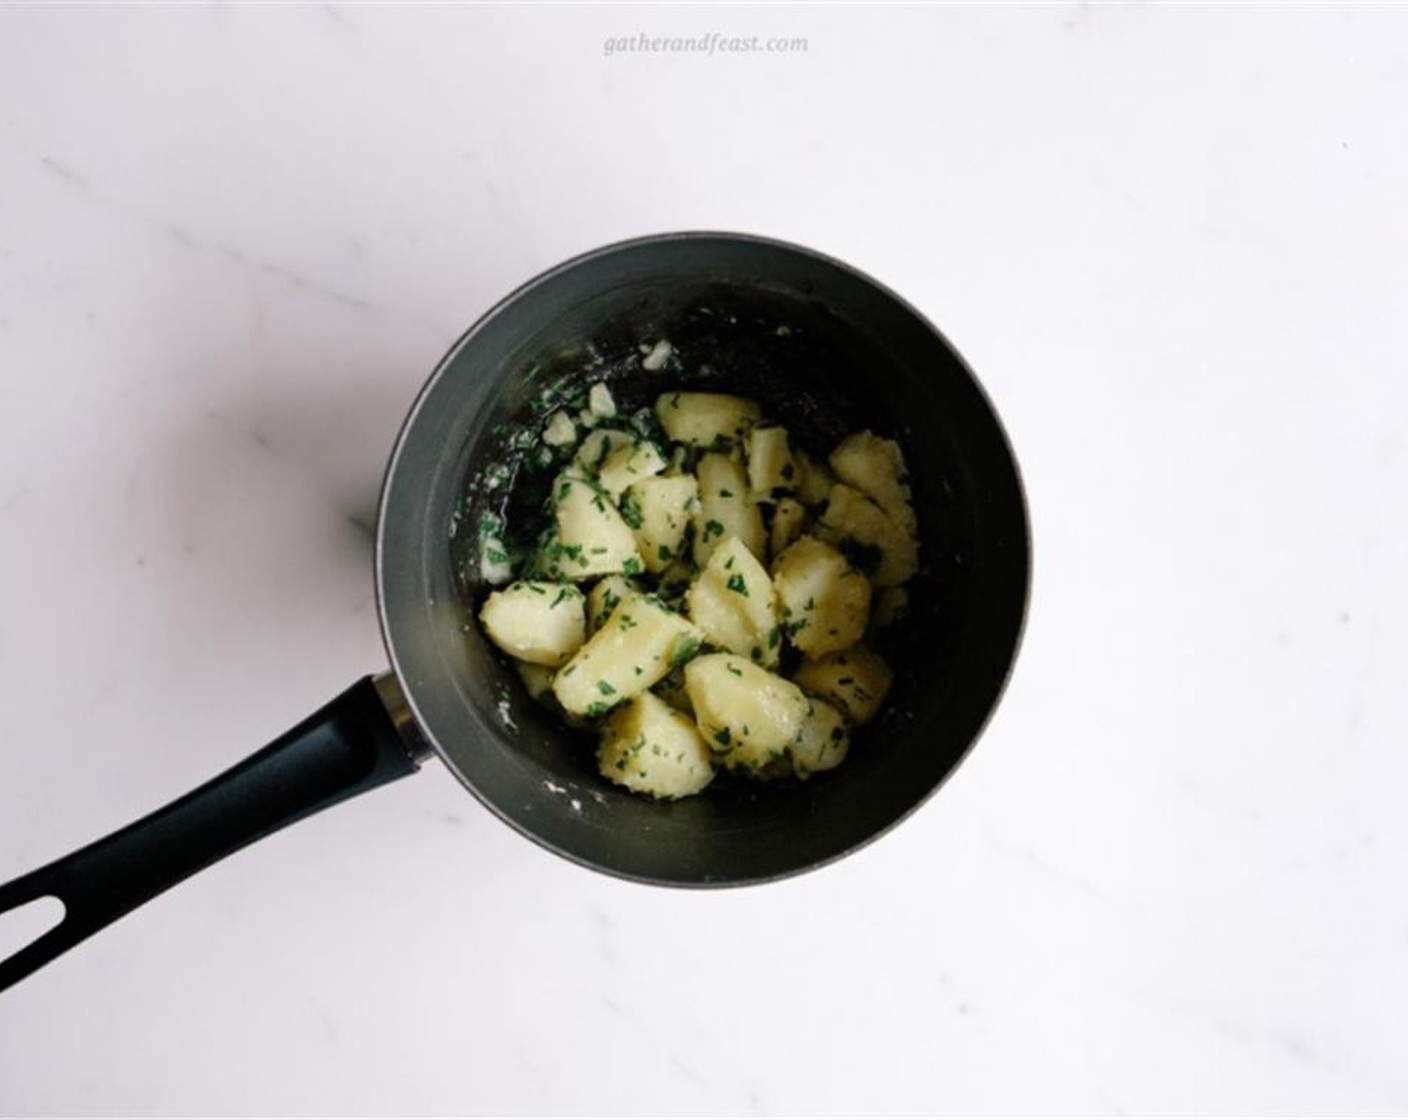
(1173, 243)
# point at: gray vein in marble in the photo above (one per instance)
(63, 171)
(289, 276)
(1051, 871)
(80, 181)
(1290, 1046)
(326, 1023)
(688, 1070)
(605, 930)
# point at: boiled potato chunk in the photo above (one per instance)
(891, 607)
(747, 715)
(706, 419)
(547, 557)
(770, 464)
(822, 742)
(733, 604)
(600, 402)
(592, 538)
(637, 646)
(875, 467)
(788, 519)
(814, 481)
(825, 602)
(537, 679)
(560, 431)
(659, 512)
(599, 446)
(851, 517)
(629, 463)
(543, 623)
(855, 680)
(726, 509)
(606, 595)
(650, 747)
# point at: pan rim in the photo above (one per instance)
(408, 426)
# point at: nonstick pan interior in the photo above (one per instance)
(827, 352)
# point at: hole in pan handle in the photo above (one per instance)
(357, 742)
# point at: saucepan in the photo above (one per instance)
(826, 349)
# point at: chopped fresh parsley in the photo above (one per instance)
(685, 648)
(736, 584)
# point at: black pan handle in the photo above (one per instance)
(357, 742)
